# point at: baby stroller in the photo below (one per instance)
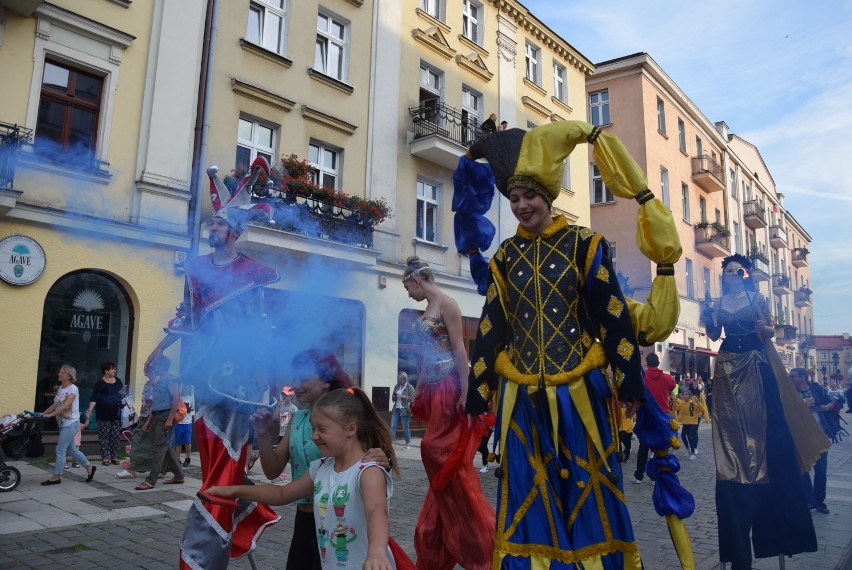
(126, 436)
(20, 436)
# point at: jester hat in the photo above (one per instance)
(534, 159)
(236, 209)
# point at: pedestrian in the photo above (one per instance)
(625, 434)
(315, 372)
(66, 408)
(352, 496)
(689, 410)
(182, 433)
(164, 407)
(142, 441)
(489, 126)
(660, 385)
(549, 291)
(225, 348)
(403, 395)
(763, 438)
(821, 407)
(503, 126)
(449, 443)
(107, 395)
(488, 420)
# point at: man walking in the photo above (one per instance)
(660, 385)
(815, 397)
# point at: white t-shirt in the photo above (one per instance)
(339, 518)
(397, 405)
(190, 410)
(72, 414)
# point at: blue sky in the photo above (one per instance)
(779, 74)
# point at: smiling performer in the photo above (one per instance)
(554, 319)
(222, 330)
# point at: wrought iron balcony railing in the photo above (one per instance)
(12, 138)
(434, 118)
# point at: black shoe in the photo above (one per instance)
(51, 482)
(186, 462)
(91, 473)
(821, 508)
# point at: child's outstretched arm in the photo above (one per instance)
(268, 494)
(374, 489)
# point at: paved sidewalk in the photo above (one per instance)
(106, 523)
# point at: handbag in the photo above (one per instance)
(128, 412)
(181, 412)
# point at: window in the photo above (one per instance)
(599, 108)
(566, 173)
(690, 286)
(738, 244)
(431, 88)
(664, 186)
(330, 56)
(600, 193)
(326, 160)
(613, 256)
(427, 211)
(699, 147)
(532, 61)
(681, 135)
(684, 200)
(254, 139)
(530, 125)
(732, 182)
(707, 292)
(560, 89)
(661, 116)
(471, 13)
(702, 209)
(471, 113)
(68, 113)
(267, 24)
(718, 217)
(432, 7)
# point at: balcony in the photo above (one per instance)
(785, 334)
(12, 138)
(803, 298)
(759, 266)
(442, 134)
(777, 237)
(712, 239)
(800, 257)
(781, 284)
(754, 214)
(707, 173)
(806, 341)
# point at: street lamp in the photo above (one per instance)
(836, 359)
(824, 373)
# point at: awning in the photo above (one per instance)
(682, 348)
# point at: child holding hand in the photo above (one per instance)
(350, 496)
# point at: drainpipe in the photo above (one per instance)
(199, 146)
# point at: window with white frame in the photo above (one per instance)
(613, 255)
(732, 183)
(600, 193)
(267, 25)
(433, 8)
(327, 162)
(684, 200)
(471, 113)
(707, 292)
(661, 116)
(331, 53)
(560, 87)
(530, 125)
(599, 108)
(702, 209)
(533, 63)
(566, 173)
(254, 139)
(471, 15)
(664, 186)
(690, 285)
(681, 135)
(699, 147)
(428, 194)
(738, 240)
(431, 92)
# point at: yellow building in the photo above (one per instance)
(94, 190)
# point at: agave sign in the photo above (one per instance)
(22, 260)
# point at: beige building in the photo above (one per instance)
(723, 200)
(94, 185)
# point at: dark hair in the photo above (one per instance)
(353, 405)
(419, 268)
(323, 364)
(799, 372)
(107, 366)
(160, 366)
(652, 360)
(748, 283)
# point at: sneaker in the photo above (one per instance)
(821, 508)
(637, 481)
(407, 446)
(75, 464)
(484, 469)
(67, 466)
(626, 459)
(186, 462)
(692, 457)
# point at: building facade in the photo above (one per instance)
(95, 185)
(722, 197)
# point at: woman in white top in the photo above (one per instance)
(66, 408)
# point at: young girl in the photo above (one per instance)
(351, 497)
